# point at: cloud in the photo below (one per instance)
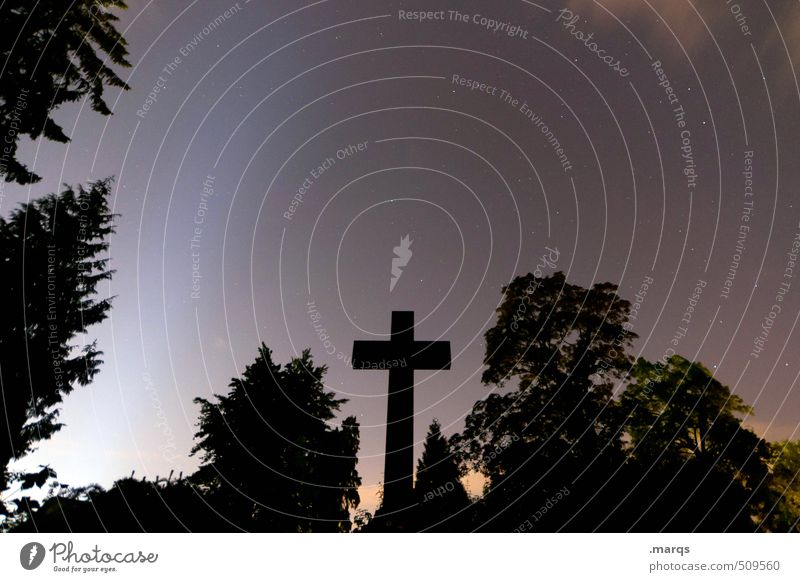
(667, 28)
(661, 24)
(653, 24)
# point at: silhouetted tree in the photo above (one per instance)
(781, 511)
(565, 347)
(361, 520)
(129, 506)
(52, 54)
(441, 496)
(271, 458)
(701, 469)
(53, 258)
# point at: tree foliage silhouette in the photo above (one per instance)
(441, 496)
(271, 458)
(701, 467)
(53, 259)
(561, 450)
(781, 511)
(565, 347)
(129, 506)
(53, 54)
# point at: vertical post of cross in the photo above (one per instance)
(401, 355)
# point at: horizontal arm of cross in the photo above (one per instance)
(414, 355)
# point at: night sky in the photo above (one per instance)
(270, 156)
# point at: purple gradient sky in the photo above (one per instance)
(274, 90)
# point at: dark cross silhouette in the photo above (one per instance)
(401, 356)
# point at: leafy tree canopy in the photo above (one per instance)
(702, 468)
(52, 53)
(565, 346)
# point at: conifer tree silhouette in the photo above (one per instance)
(272, 457)
(54, 56)
(53, 259)
(441, 495)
